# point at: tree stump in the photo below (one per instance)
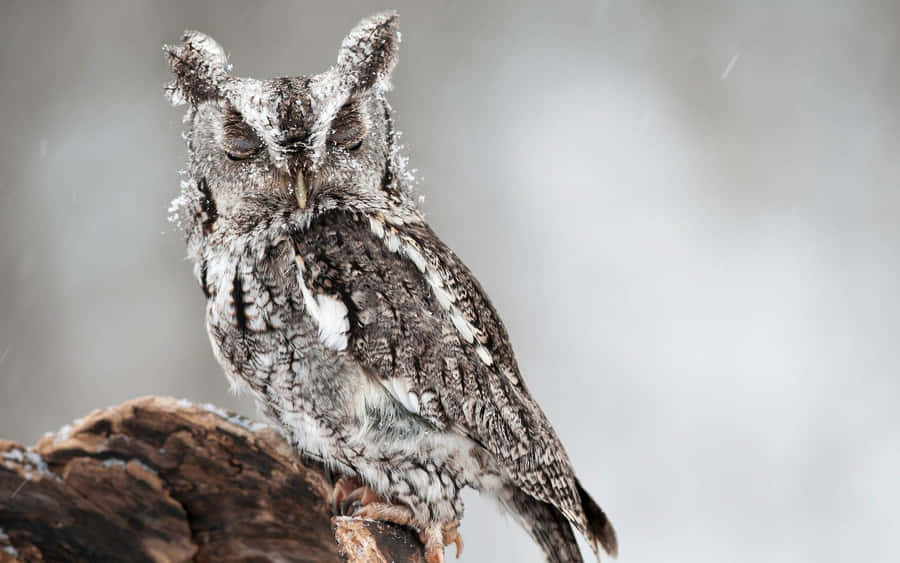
(160, 479)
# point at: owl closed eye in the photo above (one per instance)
(348, 128)
(239, 140)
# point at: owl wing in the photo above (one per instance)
(420, 321)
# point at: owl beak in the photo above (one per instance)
(300, 190)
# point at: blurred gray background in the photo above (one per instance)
(685, 211)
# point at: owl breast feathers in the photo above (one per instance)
(333, 303)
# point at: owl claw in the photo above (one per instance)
(350, 500)
(350, 496)
(359, 497)
(433, 536)
(451, 535)
(436, 536)
(343, 488)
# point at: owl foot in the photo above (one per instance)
(434, 536)
(350, 495)
(352, 498)
(451, 535)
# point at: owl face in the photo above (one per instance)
(291, 147)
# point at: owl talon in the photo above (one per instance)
(434, 538)
(357, 499)
(451, 535)
(350, 496)
(343, 488)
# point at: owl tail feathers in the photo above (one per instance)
(546, 525)
(599, 527)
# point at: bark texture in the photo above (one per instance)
(158, 479)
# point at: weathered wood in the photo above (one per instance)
(157, 479)
(363, 541)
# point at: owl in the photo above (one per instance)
(331, 301)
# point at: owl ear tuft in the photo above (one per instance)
(200, 68)
(369, 52)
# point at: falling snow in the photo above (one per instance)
(730, 66)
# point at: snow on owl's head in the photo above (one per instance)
(291, 147)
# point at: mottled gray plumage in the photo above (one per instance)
(331, 300)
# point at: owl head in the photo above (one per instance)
(289, 148)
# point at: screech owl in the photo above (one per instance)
(331, 301)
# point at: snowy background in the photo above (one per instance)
(687, 215)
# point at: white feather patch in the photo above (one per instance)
(415, 256)
(392, 241)
(376, 226)
(398, 387)
(484, 354)
(466, 330)
(219, 273)
(333, 322)
(330, 314)
(443, 296)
